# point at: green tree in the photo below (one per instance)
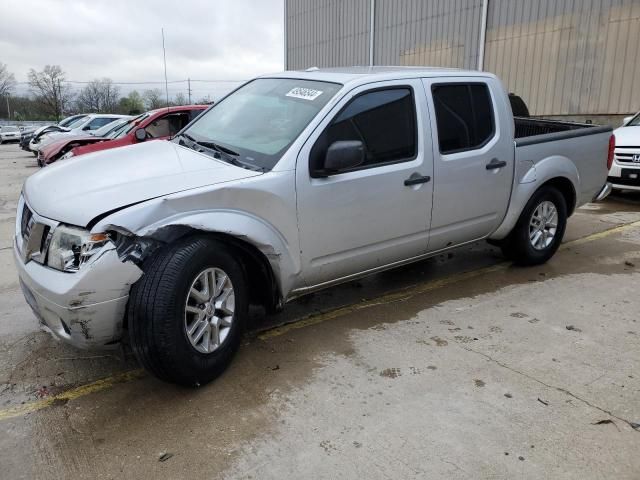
(132, 104)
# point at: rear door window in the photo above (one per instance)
(464, 116)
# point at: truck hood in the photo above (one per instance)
(79, 189)
(627, 136)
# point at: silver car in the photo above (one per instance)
(292, 183)
(9, 133)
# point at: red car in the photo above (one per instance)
(159, 124)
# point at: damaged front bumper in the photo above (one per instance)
(86, 308)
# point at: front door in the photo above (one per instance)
(377, 213)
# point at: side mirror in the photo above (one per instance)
(141, 134)
(626, 120)
(86, 127)
(343, 155)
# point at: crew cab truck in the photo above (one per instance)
(290, 184)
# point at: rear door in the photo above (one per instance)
(369, 216)
(473, 158)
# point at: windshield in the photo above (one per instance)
(261, 119)
(109, 128)
(71, 119)
(76, 122)
(9, 129)
(635, 121)
(133, 124)
(123, 128)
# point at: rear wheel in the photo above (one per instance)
(539, 230)
(187, 313)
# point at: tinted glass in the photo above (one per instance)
(261, 119)
(100, 122)
(168, 125)
(464, 116)
(383, 120)
(635, 121)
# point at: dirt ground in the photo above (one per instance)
(458, 367)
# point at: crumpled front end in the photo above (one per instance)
(85, 308)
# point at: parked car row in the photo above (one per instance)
(26, 138)
(157, 124)
(86, 124)
(85, 133)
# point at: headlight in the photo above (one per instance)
(70, 247)
(69, 154)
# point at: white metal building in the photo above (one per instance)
(575, 59)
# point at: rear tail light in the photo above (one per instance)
(612, 146)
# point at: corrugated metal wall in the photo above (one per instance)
(569, 57)
(436, 32)
(564, 57)
(327, 33)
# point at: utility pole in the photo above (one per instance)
(8, 109)
(58, 102)
(189, 89)
(164, 56)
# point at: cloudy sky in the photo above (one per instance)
(216, 40)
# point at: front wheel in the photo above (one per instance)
(539, 230)
(187, 313)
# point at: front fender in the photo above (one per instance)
(531, 179)
(243, 226)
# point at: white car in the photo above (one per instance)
(86, 125)
(625, 170)
(9, 134)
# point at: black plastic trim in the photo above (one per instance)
(575, 133)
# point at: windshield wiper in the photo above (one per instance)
(222, 153)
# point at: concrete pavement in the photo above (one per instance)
(457, 367)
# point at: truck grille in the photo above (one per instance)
(34, 235)
(26, 223)
(629, 155)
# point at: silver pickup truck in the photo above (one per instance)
(290, 184)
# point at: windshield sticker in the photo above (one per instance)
(304, 93)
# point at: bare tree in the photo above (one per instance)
(180, 99)
(153, 99)
(7, 81)
(50, 90)
(99, 96)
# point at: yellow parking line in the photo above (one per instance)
(400, 295)
(72, 394)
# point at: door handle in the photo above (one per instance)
(495, 163)
(416, 180)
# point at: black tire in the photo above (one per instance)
(518, 247)
(156, 313)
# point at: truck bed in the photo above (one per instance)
(580, 148)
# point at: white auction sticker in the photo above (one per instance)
(304, 93)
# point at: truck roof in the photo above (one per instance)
(365, 74)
